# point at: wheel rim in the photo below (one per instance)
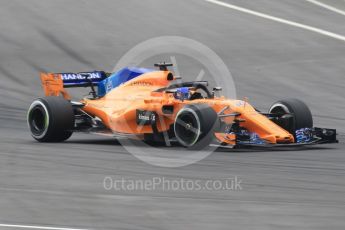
(279, 109)
(187, 127)
(38, 119)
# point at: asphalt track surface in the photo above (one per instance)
(61, 185)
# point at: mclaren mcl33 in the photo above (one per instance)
(150, 104)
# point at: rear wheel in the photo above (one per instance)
(50, 119)
(195, 125)
(299, 112)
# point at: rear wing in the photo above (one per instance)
(54, 83)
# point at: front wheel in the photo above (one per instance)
(195, 125)
(297, 109)
(50, 119)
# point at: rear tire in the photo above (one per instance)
(195, 125)
(302, 117)
(50, 119)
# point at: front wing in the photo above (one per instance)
(316, 136)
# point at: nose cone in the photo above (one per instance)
(260, 124)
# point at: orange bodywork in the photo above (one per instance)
(117, 109)
(53, 85)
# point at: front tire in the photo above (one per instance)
(195, 125)
(50, 119)
(301, 115)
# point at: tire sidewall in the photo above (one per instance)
(60, 119)
(301, 113)
(196, 117)
(207, 120)
(39, 102)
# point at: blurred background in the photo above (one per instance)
(61, 185)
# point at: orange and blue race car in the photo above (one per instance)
(157, 107)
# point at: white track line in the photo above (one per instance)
(36, 227)
(327, 6)
(281, 20)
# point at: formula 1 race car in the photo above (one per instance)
(153, 105)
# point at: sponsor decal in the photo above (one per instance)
(240, 103)
(81, 76)
(108, 85)
(146, 117)
(141, 83)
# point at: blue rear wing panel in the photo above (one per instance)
(105, 82)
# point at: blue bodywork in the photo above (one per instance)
(304, 135)
(251, 138)
(120, 77)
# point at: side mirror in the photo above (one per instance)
(216, 89)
